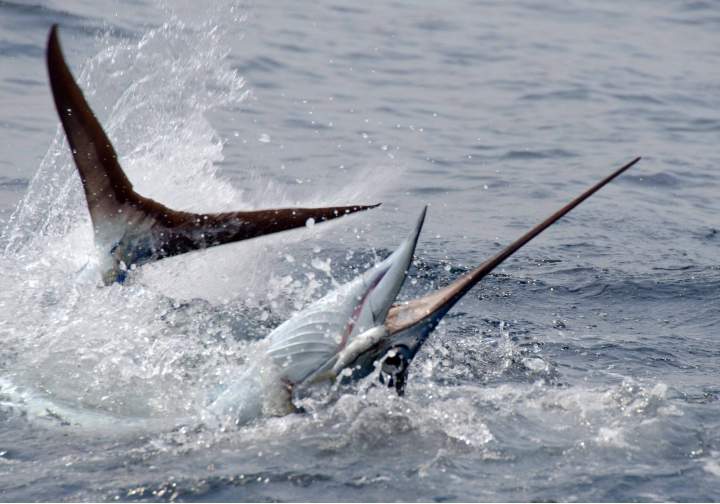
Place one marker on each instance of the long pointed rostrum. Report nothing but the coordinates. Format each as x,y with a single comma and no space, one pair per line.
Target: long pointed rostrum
406,315
131,229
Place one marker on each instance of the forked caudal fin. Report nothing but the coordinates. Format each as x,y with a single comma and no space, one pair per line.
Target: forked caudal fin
419,317
130,229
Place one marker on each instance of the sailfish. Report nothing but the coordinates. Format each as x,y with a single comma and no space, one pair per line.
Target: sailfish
131,230
358,328
354,331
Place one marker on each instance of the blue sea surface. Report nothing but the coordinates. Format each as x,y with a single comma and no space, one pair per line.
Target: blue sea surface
584,369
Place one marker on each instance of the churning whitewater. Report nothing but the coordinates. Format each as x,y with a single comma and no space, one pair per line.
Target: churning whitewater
582,368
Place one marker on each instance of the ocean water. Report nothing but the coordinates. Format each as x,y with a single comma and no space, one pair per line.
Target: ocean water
585,368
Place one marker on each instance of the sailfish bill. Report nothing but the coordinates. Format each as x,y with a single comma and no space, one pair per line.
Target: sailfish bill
409,324
405,315
396,332
130,229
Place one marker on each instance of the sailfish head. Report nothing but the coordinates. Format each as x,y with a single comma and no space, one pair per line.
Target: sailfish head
408,325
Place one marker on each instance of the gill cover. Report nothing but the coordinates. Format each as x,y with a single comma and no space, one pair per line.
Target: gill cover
131,230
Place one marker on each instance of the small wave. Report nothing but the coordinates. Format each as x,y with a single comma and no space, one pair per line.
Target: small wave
245,486
639,98
561,95
539,154
37,10
261,64
434,190
711,234
436,25
697,125
15,49
15,184
39,15
661,179
649,287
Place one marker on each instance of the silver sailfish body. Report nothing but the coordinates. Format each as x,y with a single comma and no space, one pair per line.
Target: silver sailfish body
319,341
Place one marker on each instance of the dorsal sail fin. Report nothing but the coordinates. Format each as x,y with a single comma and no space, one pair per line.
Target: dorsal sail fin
131,229
403,316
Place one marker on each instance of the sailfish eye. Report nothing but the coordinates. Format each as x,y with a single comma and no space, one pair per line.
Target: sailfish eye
394,362
394,368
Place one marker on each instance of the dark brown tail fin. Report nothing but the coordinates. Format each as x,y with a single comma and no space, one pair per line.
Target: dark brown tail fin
131,229
438,303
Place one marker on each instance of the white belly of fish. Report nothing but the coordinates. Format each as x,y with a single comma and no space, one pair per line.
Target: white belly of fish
295,349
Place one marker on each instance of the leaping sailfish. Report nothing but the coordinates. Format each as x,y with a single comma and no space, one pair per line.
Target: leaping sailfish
355,328
130,229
